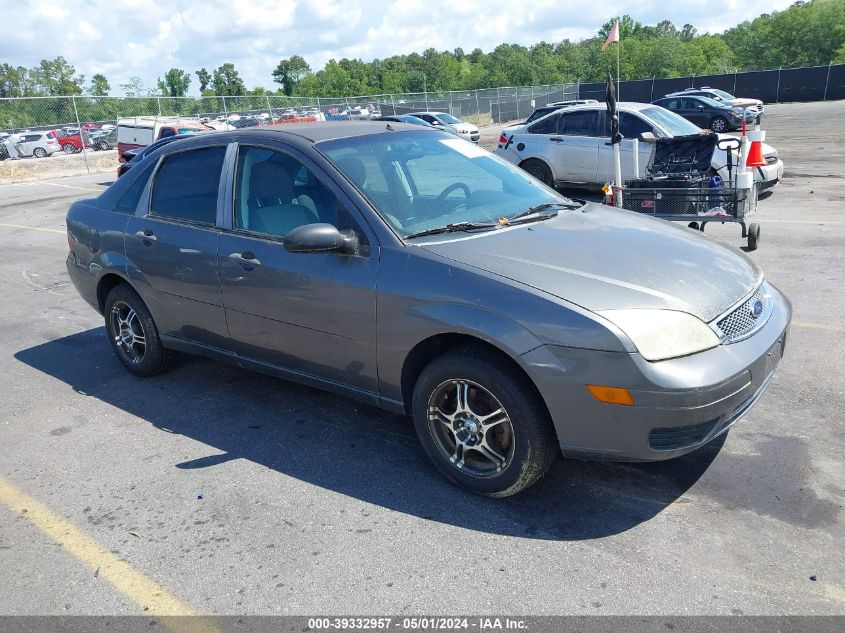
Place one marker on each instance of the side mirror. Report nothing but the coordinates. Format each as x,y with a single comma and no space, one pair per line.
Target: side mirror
648,137
315,238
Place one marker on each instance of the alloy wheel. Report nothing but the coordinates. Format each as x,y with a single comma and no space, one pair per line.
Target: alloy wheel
128,332
471,428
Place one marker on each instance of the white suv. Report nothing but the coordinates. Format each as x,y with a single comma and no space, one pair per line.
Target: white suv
572,146
38,144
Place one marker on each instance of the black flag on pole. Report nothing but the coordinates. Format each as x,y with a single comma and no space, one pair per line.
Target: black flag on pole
612,114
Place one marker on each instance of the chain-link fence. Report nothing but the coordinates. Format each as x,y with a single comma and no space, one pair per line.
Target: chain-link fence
83,124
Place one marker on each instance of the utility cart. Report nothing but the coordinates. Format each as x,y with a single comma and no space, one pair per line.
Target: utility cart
679,186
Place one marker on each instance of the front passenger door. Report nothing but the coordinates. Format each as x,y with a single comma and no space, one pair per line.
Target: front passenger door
310,313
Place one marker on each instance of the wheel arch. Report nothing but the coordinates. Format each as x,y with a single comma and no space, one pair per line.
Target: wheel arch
427,350
106,284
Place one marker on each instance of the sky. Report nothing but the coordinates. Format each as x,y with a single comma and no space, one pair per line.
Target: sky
145,38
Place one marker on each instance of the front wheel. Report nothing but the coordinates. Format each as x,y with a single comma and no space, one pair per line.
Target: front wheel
103,146
133,334
719,124
540,171
482,424
69,148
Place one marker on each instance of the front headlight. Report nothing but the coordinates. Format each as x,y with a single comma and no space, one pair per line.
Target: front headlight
663,334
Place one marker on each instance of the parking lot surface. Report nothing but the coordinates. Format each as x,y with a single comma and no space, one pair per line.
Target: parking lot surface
211,489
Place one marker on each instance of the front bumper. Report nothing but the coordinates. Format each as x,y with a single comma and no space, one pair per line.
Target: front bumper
680,404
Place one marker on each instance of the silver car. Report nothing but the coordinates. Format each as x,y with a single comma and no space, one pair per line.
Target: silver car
414,271
38,144
450,123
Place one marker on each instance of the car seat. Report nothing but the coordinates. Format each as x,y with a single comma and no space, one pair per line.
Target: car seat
271,205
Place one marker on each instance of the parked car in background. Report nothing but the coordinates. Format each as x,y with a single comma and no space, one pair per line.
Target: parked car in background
754,105
465,130
38,144
402,118
103,140
71,140
132,157
142,131
413,272
557,105
707,113
571,147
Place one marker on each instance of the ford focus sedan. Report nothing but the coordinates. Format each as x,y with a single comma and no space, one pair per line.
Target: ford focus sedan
415,271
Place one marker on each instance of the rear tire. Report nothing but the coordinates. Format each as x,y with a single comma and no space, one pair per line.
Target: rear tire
133,334
39,152
540,171
482,423
103,146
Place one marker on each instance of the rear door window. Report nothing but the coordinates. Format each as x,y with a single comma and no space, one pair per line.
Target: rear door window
186,185
581,123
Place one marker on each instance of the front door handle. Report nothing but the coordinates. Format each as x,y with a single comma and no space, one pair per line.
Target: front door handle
246,258
556,139
147,235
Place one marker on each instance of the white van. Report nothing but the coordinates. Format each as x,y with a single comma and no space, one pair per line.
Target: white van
133,132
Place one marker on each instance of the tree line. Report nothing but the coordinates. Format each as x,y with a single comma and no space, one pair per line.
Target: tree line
805,34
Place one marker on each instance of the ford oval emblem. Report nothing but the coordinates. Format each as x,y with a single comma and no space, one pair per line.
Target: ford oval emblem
757,309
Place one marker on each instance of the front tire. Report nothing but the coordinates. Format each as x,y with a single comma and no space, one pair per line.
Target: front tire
69,148
482,423
540,171
133,334
719,124
103,146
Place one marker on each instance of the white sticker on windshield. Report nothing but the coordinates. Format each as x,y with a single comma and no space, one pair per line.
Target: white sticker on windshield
470,150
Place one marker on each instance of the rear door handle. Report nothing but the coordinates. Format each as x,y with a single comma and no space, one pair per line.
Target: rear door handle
147,235
556,139
246,257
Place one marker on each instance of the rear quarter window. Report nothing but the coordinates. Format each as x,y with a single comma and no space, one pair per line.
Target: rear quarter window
128,202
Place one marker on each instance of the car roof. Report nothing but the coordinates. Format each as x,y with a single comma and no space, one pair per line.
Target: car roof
322,130
431,112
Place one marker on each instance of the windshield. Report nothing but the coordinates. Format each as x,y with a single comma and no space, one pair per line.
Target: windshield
448,118
420,180
724,95
674,124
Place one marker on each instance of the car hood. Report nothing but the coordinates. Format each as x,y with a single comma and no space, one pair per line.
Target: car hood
601,258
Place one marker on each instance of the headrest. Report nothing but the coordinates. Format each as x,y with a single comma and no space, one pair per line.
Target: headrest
271,183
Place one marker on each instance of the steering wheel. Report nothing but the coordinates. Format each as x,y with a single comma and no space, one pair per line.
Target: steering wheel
451,188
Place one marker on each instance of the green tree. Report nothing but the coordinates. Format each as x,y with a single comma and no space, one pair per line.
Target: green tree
134,87
99,86
290,72
55,77
13,81
175,83
226,81
204,78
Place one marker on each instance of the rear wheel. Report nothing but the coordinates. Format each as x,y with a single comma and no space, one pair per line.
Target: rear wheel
539,170
69,148
103,146
482,424
719,124
39,152
133,334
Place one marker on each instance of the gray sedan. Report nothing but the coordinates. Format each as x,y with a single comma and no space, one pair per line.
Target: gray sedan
415,271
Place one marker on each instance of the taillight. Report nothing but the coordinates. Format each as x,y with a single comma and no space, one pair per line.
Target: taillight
503,140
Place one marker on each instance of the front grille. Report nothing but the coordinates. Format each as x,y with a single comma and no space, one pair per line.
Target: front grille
669,439
741,322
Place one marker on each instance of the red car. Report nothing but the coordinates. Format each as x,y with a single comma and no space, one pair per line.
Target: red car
70,140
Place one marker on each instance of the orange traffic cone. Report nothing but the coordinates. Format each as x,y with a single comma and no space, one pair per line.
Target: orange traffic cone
755,152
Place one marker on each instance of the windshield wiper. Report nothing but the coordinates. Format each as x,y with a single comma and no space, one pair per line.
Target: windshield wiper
453,228
537,209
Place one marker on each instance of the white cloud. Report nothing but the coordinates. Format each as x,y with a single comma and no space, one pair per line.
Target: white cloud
147,37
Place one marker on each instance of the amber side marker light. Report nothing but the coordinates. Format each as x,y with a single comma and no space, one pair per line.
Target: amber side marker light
611,395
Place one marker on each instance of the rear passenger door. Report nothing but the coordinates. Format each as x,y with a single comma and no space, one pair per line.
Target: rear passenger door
171,246
576,146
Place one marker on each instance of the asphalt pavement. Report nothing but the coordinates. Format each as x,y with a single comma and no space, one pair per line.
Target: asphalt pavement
211,489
